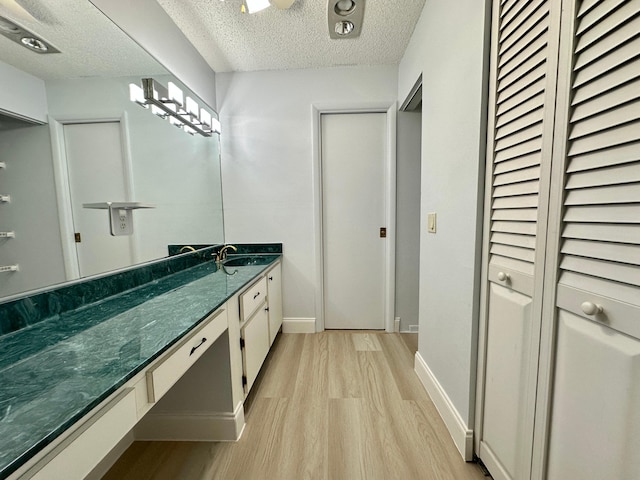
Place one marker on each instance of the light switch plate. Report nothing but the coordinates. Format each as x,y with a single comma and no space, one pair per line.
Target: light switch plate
431,222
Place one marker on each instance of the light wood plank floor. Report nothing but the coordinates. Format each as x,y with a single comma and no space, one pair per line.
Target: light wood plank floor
411,340
331,406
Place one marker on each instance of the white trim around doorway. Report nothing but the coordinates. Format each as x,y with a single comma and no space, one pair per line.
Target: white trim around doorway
61,177
390,109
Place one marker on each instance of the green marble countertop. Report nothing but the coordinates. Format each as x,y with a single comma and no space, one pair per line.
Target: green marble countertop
53,373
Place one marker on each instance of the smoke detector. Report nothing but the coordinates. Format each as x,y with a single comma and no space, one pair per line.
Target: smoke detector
345,18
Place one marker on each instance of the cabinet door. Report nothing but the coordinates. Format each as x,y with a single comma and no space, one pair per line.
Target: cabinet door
274,293
595,425
255,334
523,77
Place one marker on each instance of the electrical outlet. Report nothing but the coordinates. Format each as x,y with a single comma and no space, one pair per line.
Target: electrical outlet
121,221
431,222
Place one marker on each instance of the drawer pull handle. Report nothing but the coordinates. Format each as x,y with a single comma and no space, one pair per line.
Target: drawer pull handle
590,308
256,295
198,345
270,278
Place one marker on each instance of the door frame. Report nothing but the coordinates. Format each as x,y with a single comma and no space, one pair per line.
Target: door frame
388,108
61,178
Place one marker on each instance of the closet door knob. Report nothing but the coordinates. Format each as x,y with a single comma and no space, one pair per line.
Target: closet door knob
503,277
591,308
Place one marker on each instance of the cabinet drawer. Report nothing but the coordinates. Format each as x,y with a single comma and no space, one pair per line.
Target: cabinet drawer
162,376
252,299
77,455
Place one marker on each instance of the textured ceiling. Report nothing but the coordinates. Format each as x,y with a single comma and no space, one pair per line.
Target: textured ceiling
296,38
90,43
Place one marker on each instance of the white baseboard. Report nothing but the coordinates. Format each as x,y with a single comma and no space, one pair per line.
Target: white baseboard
461,434
111,458
299,325
396,325
196,427
414,328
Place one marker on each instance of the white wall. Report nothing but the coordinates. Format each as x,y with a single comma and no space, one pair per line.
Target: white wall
32,213
267,162
447,47
22,95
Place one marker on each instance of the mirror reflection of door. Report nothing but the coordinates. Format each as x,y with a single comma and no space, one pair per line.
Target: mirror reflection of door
97,173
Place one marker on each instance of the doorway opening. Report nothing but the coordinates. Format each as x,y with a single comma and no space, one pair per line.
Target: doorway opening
408,173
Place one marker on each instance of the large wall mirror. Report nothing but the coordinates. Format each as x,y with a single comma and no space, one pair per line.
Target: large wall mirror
93,146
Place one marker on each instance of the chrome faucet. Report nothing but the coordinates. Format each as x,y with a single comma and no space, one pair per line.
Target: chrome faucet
222,253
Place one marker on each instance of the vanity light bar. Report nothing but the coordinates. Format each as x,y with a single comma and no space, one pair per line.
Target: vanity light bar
169,103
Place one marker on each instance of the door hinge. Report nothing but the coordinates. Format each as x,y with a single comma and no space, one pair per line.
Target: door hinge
242,343
77,237
244,380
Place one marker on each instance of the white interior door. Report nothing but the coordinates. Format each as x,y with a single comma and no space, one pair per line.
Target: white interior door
96,174
353,212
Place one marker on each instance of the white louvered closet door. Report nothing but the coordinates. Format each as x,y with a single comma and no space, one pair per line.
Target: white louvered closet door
523,76
595,419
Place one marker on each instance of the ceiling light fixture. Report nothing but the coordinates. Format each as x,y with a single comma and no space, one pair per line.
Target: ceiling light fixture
167,103
21,36
344,27
34,44
8,27
254,6
344,7
345,18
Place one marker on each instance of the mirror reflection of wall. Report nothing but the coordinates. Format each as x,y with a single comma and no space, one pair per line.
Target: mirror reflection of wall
177,173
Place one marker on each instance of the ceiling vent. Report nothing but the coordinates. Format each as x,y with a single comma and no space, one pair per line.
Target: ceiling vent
345,18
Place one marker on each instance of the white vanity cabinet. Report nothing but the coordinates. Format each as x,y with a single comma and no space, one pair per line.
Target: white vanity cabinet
83,447
79,453
274,295
165,373
255,345
260,320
